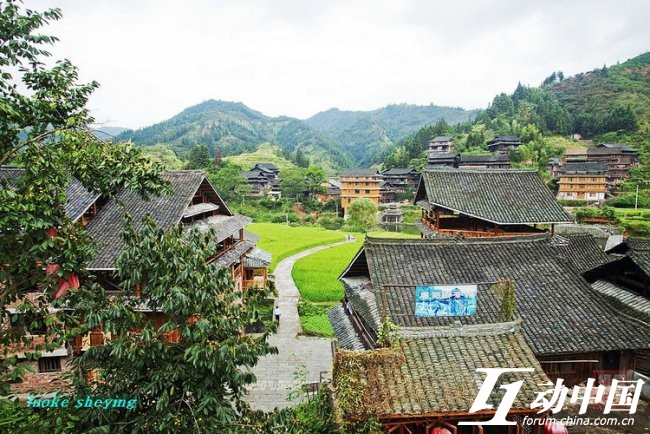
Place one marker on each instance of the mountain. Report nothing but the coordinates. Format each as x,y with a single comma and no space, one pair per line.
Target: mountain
334,139
234,128
367,134
105,133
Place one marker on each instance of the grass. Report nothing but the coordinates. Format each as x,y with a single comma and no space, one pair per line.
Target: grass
316,277
265,153
283,241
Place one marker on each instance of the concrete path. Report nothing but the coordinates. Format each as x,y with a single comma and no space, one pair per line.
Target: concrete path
301,359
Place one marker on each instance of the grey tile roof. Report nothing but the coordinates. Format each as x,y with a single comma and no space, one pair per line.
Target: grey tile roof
504,139
79,199
233,255
360,172
343,330
257,258
441,139
224,225
583,252
363,301
498,196
561,312
484,158
167,210
436,375
636,302
588,168
443,156
399,171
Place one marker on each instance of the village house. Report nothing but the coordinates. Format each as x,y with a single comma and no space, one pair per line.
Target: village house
332,191
443,159
618,158
492,161
563,328
440,145
360,184
583,181
193,203
503,144
263,179
400,179
573,331
486,203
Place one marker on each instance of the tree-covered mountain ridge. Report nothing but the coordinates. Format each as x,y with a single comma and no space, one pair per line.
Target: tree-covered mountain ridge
333,139
605,105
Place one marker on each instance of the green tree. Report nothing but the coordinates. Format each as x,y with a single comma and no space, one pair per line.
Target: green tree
314,177
199,157
43,127
362,214
621,118
300,159
228,181
188,373
293,183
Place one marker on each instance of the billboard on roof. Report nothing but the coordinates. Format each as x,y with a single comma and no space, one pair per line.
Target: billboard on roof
445,300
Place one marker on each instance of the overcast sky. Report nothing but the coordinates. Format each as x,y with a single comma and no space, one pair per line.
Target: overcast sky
299,57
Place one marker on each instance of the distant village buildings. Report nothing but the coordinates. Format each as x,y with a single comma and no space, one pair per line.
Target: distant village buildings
360,184
332,191
441,154
263,179
583,181
502,144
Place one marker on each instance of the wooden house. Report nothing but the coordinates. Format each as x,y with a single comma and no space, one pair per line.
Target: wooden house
332,191
443,159
503,144
618,158
574,331
193,203
360,184
583,181
440,144
492,161
485,203
263,179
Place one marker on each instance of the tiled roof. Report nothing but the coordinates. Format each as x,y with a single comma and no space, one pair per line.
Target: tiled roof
561,313
223,225
629,298
79,199
436,375
167,210
443,156
232,256
343,330
498,196
608,150
492,158
360,172
583,252
635,244
503,139
592,167
399,171
441,139
257,258
641,259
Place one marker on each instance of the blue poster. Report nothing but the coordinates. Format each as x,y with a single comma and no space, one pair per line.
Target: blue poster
445,300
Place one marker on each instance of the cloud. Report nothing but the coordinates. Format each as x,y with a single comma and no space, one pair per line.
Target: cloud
155,58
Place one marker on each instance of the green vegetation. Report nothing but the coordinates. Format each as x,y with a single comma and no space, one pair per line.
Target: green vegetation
283,241
370,135
265,153
164,155
635,222
232,128
362,215
316,277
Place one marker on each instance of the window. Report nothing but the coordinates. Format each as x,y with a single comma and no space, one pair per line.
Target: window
49,364
356,191
367,191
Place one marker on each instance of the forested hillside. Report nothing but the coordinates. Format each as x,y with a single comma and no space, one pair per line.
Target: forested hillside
234,128
606,105
334,139
367,135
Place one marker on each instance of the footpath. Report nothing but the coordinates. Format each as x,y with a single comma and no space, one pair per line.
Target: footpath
301,359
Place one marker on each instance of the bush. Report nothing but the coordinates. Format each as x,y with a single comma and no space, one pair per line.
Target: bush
332,223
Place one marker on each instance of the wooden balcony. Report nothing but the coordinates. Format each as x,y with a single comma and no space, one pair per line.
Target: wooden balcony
474,231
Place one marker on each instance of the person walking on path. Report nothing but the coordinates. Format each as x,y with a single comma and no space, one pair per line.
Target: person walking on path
277,313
